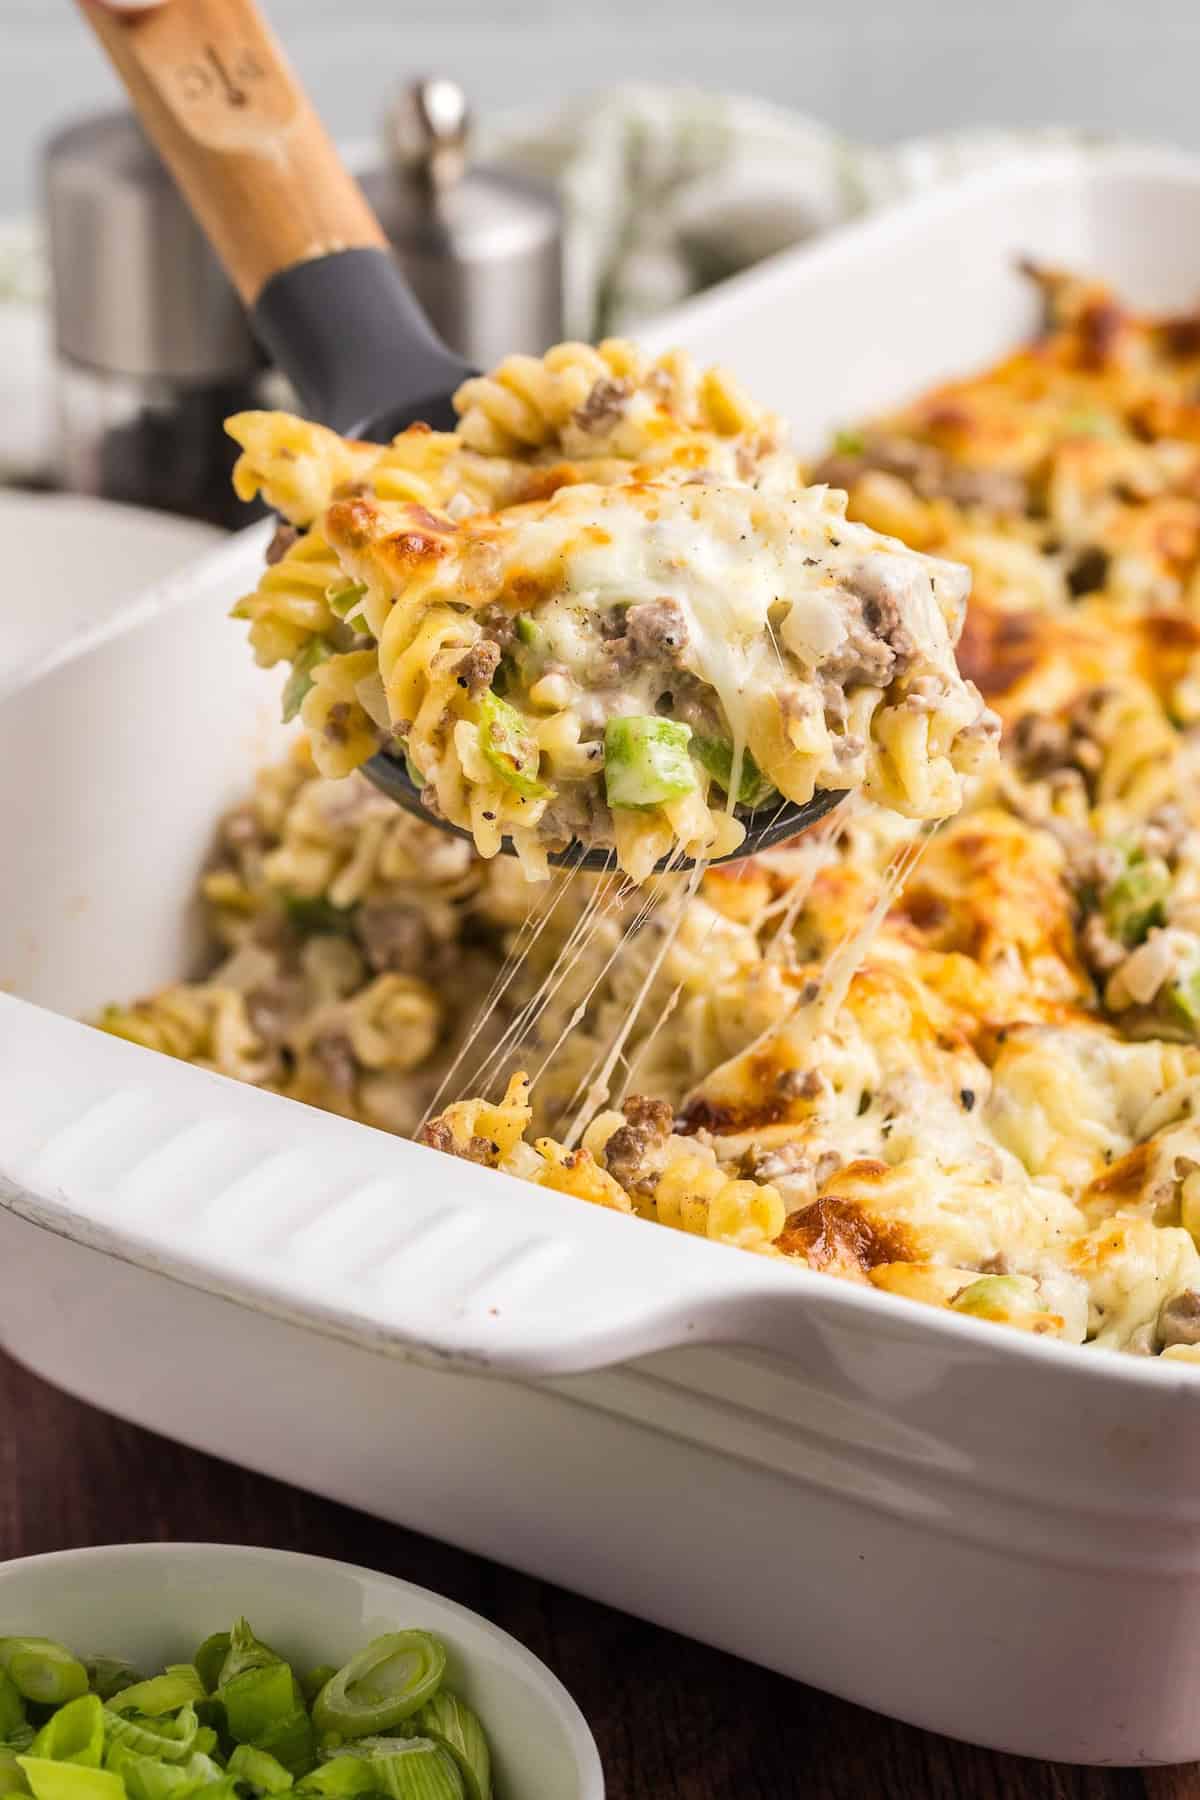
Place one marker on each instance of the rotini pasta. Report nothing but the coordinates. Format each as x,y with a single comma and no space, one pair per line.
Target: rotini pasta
626,658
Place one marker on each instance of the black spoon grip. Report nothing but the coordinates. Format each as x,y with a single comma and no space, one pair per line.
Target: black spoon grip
348,333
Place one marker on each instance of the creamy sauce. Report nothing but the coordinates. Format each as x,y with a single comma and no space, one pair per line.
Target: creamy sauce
784,608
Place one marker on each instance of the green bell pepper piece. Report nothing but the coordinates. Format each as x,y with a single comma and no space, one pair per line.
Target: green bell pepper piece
646,761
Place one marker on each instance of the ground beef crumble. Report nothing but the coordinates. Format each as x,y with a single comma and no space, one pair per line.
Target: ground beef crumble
477,667
631,1153
604,405
438,1136
395,937
281,543
334,1054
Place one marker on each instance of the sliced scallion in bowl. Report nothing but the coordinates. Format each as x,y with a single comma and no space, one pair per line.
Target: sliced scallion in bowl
238,1723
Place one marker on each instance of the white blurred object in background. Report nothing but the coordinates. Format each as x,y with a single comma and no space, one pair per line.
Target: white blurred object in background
26,389
74,561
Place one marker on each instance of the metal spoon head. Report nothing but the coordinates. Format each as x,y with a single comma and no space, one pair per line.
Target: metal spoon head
764,828
435,410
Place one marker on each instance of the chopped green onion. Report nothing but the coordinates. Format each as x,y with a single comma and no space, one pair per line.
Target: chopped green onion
449,1721
171,1739
180,1686
1090,424
146,1778
70,1781
12,1780
849,443
245,1652
214,1733
12,1707
1136,900
315,915
509,746
199,1771
646,761
292,1742
993,1294
200,1768
342,596
312,1683
220,1786
109,1675
1183,997
74,1733
257,1699
210,1657
371,1747
301,678
42,1670
417,1769
530,632
157,1739
343,1776
259,1770
224,1787
715,756
187,1672
384,1684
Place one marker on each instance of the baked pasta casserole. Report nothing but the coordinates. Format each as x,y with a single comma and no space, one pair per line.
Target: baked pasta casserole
605,612
960,1062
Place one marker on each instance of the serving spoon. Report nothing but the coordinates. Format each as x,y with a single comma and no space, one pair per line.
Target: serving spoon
325,295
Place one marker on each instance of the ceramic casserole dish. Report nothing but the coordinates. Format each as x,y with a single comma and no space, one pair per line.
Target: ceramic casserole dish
984,1533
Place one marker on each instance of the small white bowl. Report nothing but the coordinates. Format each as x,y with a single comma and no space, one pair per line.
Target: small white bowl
153,1603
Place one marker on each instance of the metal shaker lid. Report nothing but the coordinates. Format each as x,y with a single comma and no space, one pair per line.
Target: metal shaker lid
137,291
428,131
481,245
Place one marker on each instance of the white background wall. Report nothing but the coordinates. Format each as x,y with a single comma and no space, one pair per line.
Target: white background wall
879,69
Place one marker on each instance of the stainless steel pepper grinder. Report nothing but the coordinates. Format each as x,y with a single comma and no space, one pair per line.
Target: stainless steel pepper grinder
153,349
482,246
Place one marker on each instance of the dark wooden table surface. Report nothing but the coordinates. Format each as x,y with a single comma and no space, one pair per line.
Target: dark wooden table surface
674,1721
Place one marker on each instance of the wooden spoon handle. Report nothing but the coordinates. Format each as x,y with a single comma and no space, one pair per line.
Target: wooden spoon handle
217,96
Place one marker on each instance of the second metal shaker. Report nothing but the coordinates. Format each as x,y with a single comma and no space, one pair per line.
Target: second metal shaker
481,246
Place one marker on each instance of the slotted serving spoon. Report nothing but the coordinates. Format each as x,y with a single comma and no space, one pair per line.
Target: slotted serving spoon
325,295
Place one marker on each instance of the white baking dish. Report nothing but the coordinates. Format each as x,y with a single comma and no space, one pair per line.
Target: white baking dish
983,1533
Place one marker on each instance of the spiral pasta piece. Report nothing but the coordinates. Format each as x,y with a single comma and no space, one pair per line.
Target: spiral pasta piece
295,465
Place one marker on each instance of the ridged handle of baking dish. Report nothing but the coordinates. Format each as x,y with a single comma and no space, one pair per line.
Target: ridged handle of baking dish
317,1218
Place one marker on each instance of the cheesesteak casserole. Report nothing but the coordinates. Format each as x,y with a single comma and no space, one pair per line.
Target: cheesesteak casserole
957,1062
615,623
